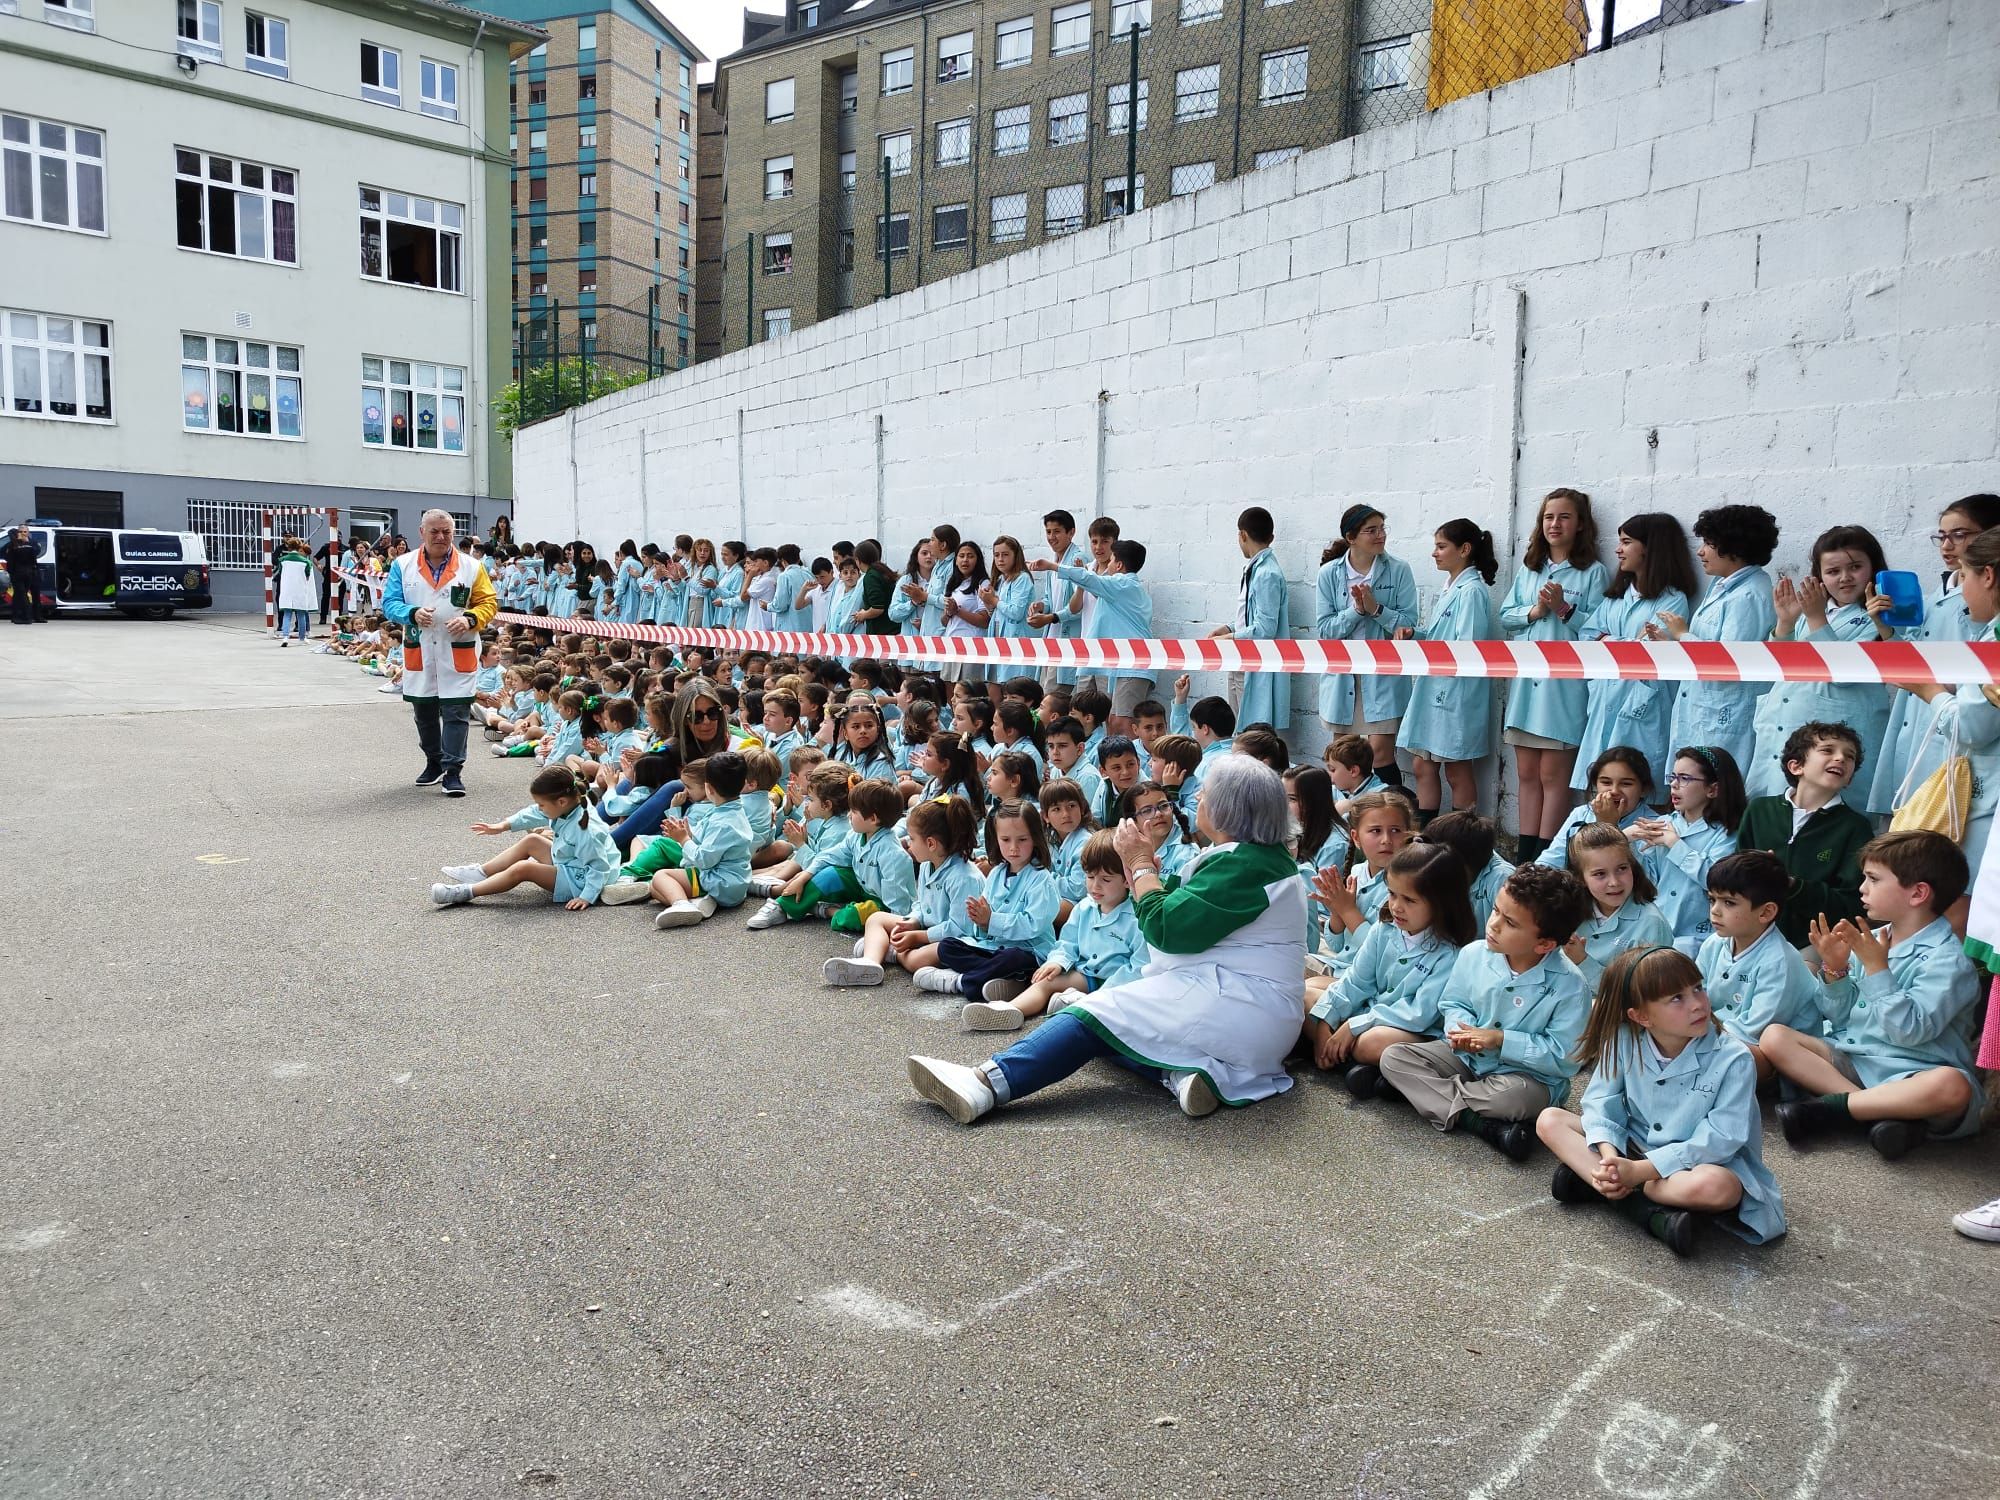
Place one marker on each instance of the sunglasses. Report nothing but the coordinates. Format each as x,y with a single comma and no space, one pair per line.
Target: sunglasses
703,715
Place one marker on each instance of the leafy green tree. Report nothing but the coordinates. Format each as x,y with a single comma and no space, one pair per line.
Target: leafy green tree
549,388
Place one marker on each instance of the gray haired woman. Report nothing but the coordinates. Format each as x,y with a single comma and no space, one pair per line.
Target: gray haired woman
1218,1005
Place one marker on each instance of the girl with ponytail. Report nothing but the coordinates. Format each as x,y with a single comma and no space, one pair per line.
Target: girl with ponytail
1364,594
565,851
1450,719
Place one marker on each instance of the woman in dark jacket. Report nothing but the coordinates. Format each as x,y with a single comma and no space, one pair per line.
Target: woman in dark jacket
24,573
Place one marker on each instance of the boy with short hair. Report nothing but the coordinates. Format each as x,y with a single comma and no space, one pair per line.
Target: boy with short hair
1092,709
868,869
1812,831
1118,759
761,774
1350,764
780,729
1064,738
1513,1011
1121,609
1176,759
1753,976
1896,1055
1210,723
703,861
1149,722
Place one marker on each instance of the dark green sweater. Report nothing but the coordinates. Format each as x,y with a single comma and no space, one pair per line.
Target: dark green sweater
1824,861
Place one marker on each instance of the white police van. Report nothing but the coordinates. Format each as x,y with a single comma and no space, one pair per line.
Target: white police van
136,572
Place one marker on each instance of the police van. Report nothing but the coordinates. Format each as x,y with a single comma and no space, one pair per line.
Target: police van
138,572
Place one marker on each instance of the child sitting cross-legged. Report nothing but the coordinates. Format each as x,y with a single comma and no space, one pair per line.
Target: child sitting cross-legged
761,775
868,868
700,862
1622,913
1753,976
941,834
567,851
1513,1009
1669,1128
1100,946
1013,917
1897,1052
1382,824
821,787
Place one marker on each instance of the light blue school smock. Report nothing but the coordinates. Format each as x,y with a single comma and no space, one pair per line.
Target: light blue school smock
1106,947
1264,613
1542,705
1395,980
1023,911
718,849
1736,608
630,573
878,766
726,606
782,746
1967,713
880,864
1914,1016
1540,1013
1330,855
1451,718
1053,599
1767,984
701,594
757,816
1557,853
942,891
1628,711
841,604
935,593
1087,778
791,609
1945,619
1485,886
1124,611
564,741
1861,706
1009,615
1680,874
1371,890
1636,924
581,848
1383,699
1696,1109
907,614
1066,863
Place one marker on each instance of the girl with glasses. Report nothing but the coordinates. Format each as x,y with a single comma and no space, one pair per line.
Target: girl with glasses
1705,795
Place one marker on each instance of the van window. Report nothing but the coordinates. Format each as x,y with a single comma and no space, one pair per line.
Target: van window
139,546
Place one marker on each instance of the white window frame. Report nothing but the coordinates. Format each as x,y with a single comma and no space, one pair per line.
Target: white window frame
1117,185
1124,13
1194,12
1277,83
450,257
586,184
27,336
1076,209
780,100
898,147
1007,218
1073,110
777,322
28,157
1198,92
1006,132
586,35
437,88
385,385
848,167
965,225
954,57
783,170
379,92
808,15
1014,42
683,169
774,263
238,370
1116,112
272,62
1201,174
586,137
274,202
538,138
899,71
78,15
952,144
1274,156
885,227
1385,64
1064,34
206,18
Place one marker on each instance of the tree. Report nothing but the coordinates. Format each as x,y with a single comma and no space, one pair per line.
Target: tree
550,388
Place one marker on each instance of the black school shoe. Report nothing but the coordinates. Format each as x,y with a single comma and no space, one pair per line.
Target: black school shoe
1802,1119
1567,1187
431,774
1672,1227
1511,1138
1363,1080
1895,1139
453,787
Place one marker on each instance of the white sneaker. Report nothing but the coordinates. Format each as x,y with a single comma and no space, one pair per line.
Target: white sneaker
860,946
705,905
770,914
1059,1002
1196,1095
465,874
765,885
680,914
850,973
625,892
825,910
937,981
455,894
498,752
992,1015
959,1091
390,687
1982,1223
1001,990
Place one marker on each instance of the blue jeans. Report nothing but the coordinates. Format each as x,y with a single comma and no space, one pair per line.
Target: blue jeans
289,618
645,818
1054,1050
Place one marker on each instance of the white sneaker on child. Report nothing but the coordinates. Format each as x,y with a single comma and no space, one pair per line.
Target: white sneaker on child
765,885
1196,1095
1001,990
705,905
390,687
961,1092
465,874
770,914
625,892
994,1015
498,752
1982,1223
850,973
456,894
680,914
936,981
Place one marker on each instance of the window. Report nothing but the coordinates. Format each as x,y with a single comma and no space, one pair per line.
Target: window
538,283
777,322
847,171
682,339
538,235
231,207
1069,119
850,93
413,241
1014,42
586,86
808,15
382,75
1009,218
1125,14
241,387
1385,64
1115,202
74,13
954,57
1194,12
1010,130
538,190
681,254
1192,177
1117,110
680,302
586,279
586,36
684,75
899,70
897,149
1062,209
1196,92
408,404
947,226
53,174
954,142
683,169
586,184
778,100
684,122
1284,77
438,89
267,45
1069,29
538,93
1272,158
777,255
899,235
201,29
538,140
586,137
844,254
55,367
681,213
777,177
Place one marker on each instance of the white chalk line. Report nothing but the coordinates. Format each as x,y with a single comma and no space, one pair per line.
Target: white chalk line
1829,1436
890,1316
1558,1413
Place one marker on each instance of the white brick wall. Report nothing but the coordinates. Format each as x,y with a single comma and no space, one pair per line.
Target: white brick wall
1761,260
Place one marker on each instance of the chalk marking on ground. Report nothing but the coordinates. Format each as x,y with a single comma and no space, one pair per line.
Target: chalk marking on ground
1020,1218
291,1070
885,1313
1026,1289
1829,1436
1559,1411
1643,1454
402,1078
38,1238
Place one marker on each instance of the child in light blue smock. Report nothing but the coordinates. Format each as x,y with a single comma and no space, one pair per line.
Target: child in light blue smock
860,743
1381,825
1677,850
1068,818
568,850
1736,542
1263,613
713,867
1669,1132
1622,912
726,604
1014,916
1009,593
869,867
1754,977
566,740
1363,594
941,836
1621,783
1066,759
1449,723
1654,583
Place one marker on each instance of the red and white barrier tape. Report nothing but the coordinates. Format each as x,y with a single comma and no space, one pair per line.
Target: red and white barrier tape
1948,662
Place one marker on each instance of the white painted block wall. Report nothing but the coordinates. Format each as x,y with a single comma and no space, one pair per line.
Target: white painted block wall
1755,257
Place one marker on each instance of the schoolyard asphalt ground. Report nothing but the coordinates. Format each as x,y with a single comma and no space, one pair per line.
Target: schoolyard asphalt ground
310,1189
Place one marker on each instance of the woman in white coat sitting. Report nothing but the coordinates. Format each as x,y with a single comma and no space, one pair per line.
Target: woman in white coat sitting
1219,1004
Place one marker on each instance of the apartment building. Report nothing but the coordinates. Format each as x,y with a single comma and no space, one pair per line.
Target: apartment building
254,258
601,131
